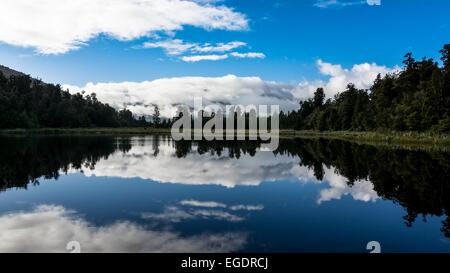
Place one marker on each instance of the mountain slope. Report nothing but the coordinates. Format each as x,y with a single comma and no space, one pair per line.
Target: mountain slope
26,102
8,72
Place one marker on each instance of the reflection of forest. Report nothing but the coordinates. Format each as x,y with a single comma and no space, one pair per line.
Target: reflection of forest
416,180
24,160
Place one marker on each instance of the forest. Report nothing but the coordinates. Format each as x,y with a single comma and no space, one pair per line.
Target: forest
415,99
26,102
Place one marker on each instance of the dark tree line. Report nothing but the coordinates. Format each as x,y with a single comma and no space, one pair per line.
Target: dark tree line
24,160
414,99
29,103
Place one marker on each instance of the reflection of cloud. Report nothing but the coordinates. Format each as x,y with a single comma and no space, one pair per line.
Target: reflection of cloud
194,168
208,210
207,169
362,190
212,204
49,228
208,204
170,214
247,207
175,215
203,210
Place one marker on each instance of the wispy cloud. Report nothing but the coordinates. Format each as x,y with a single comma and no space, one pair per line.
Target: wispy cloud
345,3
251,55
178,47
198,58
196,52
220,47
214,57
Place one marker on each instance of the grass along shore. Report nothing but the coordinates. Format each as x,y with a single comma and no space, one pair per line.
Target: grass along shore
379,138
408,140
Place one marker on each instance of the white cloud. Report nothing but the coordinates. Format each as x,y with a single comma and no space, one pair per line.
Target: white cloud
56,26
140,97
49,228
251,55
195,52
220,47
177,47
361,75
172,47
198,58
168,93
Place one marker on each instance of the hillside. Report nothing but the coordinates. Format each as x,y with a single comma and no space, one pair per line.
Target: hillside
8,72
26,102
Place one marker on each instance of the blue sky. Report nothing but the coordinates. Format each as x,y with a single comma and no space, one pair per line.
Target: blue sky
289,36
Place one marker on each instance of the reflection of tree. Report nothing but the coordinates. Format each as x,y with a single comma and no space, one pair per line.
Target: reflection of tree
155,146
416,180
124,144
235,148
24,160
182,148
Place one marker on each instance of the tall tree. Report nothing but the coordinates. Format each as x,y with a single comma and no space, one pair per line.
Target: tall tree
156,116
319,98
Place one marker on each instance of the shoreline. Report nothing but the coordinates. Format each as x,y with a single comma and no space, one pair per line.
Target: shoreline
377,138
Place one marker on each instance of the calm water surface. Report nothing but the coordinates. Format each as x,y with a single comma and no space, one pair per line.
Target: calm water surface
151,194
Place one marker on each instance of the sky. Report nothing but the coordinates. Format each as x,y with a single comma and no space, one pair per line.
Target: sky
139,53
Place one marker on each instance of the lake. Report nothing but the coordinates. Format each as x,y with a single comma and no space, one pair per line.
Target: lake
152,194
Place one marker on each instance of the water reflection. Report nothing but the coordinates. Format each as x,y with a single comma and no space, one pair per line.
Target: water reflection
49,228
416,180
194,209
